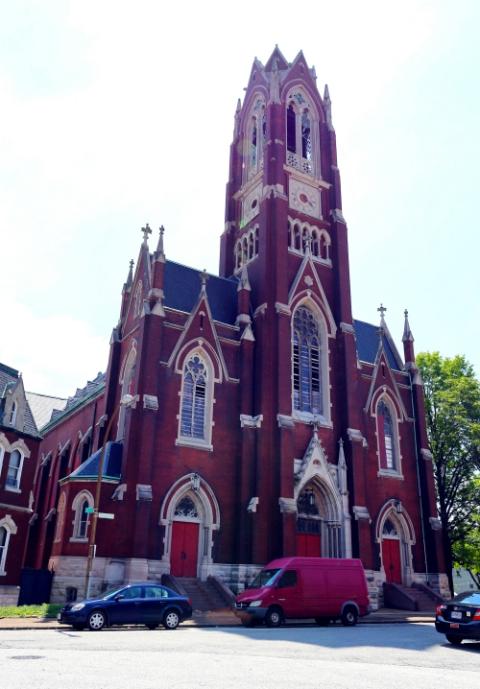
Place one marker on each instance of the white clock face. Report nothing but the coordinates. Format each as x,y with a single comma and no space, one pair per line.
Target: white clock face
304,199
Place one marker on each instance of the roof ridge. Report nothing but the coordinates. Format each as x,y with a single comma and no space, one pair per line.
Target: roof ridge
197,270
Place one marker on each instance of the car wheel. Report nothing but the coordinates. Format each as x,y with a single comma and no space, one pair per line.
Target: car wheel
322,621
349,616
96,620
273,618
171,619
152,625
455,640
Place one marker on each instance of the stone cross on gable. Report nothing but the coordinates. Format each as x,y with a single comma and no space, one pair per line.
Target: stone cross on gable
381,309
146,231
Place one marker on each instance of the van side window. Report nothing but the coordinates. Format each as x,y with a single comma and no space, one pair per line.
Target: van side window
288,578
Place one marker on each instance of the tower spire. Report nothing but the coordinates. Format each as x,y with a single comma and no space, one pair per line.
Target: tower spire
407,339
129,281
159,253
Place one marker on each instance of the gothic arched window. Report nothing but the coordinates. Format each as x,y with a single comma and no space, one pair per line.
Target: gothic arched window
81,502
302,137
306,136
14,472
255,135
4,539
291,129
193,415
386,437
307,375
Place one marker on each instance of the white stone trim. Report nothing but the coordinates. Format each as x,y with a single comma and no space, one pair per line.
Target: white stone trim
247,421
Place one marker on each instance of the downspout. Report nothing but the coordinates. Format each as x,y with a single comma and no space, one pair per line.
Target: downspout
419,483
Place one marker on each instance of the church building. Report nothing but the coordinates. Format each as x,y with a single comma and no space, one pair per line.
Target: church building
246,416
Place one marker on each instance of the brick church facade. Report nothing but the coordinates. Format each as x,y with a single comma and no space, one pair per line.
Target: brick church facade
263,419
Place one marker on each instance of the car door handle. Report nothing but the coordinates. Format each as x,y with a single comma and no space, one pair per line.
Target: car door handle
282,599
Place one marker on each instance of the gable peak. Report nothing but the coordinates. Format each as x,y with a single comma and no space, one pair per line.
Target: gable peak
276,61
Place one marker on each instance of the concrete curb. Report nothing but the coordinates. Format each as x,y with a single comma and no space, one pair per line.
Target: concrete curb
224,619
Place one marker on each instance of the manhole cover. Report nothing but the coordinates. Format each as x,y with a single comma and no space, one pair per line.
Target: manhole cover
26,657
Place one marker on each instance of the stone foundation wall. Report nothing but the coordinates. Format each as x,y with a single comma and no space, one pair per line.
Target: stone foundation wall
9,594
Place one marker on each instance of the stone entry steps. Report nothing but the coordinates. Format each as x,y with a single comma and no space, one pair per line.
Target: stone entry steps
203,594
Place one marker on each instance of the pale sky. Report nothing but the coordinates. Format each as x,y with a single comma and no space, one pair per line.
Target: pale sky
114,114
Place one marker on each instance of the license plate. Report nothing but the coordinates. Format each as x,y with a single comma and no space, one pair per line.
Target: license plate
454,625
456,615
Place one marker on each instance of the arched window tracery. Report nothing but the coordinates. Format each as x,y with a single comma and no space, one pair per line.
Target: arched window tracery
195,399
387,438
246,248
307,374
302,138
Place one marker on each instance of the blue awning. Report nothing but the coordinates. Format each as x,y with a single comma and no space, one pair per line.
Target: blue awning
112,463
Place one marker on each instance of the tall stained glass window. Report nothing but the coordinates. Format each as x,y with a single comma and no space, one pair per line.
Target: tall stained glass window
386,437
194,398
307,383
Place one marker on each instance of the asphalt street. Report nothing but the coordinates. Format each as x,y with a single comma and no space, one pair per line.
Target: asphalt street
365,657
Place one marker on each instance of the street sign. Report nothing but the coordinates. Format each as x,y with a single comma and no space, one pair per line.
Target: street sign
106,515
89,510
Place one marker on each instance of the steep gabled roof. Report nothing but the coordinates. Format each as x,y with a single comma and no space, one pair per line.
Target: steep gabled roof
367,345
182,287
9,378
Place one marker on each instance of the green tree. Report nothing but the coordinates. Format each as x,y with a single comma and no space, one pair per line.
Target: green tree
452,401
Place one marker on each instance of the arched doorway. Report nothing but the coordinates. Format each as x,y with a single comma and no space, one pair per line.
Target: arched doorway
396,536
319,530
185,538
391,553
190,515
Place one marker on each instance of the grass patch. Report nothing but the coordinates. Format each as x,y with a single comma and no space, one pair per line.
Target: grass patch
44,610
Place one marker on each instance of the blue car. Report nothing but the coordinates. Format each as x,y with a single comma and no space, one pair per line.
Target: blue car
143,603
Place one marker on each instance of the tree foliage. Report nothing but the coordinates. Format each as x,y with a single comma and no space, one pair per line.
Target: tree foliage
452,400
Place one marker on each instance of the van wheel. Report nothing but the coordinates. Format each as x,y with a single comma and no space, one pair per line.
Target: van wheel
349,616
273,618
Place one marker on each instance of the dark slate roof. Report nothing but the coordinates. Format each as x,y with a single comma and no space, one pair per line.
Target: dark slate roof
9,378
112,463
81,395
182,289
367,344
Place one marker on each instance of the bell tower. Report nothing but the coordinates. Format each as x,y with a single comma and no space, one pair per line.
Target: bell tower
283,191
284,228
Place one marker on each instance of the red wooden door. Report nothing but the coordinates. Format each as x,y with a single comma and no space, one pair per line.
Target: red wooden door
391,560
184,550
308,545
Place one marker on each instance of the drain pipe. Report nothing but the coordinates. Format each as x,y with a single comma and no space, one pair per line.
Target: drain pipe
419,483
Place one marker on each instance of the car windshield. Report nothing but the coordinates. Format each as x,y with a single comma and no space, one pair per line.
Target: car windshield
264,578
111,593
468,597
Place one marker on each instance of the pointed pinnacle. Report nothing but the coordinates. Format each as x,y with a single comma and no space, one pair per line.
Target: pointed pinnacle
130,274
244,282
160,254
407,333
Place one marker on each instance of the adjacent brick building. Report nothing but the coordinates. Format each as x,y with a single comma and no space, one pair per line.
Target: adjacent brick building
267,421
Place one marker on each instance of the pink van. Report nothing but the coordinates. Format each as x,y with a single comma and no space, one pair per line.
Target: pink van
305,587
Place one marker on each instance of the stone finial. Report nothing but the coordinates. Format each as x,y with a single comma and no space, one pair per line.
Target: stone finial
203,279
129,281
381,309
244,282
328,105
146,231
236,128
159,253
407,333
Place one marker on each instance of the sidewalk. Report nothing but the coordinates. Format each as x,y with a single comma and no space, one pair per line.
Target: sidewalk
226,618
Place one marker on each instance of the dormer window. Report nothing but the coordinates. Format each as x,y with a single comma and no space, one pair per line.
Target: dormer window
13,414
